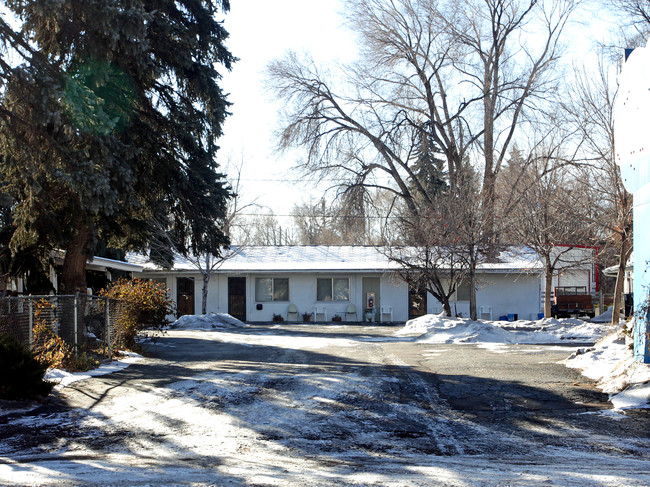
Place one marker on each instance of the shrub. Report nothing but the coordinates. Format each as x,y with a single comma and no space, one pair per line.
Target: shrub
145,305
21,373
49,348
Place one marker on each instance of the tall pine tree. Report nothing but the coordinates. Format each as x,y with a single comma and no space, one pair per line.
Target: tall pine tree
109,116
429,164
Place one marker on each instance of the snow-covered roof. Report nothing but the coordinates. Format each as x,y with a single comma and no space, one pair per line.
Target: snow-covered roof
102,263
522,259
291,258
331,258
613,270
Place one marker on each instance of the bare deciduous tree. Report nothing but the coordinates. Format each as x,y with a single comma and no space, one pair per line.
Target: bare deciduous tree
591,109
551,212
344,221
265,229
463,73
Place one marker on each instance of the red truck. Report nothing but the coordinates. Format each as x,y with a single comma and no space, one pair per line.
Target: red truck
572,300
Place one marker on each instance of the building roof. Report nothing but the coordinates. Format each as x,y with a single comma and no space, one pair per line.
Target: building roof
101,263
330,258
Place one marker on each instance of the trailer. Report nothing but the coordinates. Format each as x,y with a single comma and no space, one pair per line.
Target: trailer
572,301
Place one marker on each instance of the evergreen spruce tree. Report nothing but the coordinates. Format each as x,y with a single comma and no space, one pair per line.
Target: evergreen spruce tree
429,165
109,115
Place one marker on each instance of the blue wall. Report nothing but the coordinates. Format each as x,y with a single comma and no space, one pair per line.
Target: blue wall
642,272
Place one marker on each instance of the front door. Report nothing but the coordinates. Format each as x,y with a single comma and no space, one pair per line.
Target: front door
184,296
417,302
370,285
237,297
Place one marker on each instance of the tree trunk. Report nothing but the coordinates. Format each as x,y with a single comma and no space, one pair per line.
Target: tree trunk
473,315
626,249
488,202
548,287
204,292
446,306
73,275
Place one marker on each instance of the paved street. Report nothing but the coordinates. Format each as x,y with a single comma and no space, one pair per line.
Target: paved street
330,405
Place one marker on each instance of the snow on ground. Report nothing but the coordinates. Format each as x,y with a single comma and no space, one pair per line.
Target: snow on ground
610,361
215,402
441,329
63,378
210,321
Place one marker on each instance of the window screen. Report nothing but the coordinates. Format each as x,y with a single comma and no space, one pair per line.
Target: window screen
462,292
280,289
263,289
323,289
271,289
336,289
341,289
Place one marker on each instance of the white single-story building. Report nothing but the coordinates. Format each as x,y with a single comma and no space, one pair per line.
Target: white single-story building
321,282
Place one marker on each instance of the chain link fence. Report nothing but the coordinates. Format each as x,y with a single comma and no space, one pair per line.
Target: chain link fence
86,323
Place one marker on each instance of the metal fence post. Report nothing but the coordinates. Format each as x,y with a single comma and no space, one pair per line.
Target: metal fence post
31,323
107,333
76,321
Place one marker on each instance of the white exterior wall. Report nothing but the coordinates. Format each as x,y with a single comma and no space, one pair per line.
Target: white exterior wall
302,293
504,293
499,295
577,269
510,294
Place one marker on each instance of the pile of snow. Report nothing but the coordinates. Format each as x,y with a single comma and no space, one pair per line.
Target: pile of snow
606,317
611,362
206,322
442,329
573,329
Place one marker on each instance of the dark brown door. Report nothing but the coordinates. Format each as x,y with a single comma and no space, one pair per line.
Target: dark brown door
237,297
417,302
185,296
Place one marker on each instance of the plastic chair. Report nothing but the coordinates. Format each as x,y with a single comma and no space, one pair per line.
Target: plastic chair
320,313
351,313
292,313
387,311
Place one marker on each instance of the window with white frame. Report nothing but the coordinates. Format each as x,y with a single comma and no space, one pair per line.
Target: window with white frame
271,289
333,289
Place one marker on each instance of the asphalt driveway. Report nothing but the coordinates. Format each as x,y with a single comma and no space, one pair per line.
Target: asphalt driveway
329,405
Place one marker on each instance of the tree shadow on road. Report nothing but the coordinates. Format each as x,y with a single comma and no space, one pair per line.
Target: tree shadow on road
336,411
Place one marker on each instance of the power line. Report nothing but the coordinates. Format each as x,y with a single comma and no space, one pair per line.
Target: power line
271,215
306,180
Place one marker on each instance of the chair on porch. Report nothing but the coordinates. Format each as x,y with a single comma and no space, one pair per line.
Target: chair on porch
386,312
320,313
351,313
292,313
486,313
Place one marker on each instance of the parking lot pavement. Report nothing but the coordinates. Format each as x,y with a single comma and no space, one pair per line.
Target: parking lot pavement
329,405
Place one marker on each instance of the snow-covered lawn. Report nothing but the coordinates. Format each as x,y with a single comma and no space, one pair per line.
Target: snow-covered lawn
282,423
